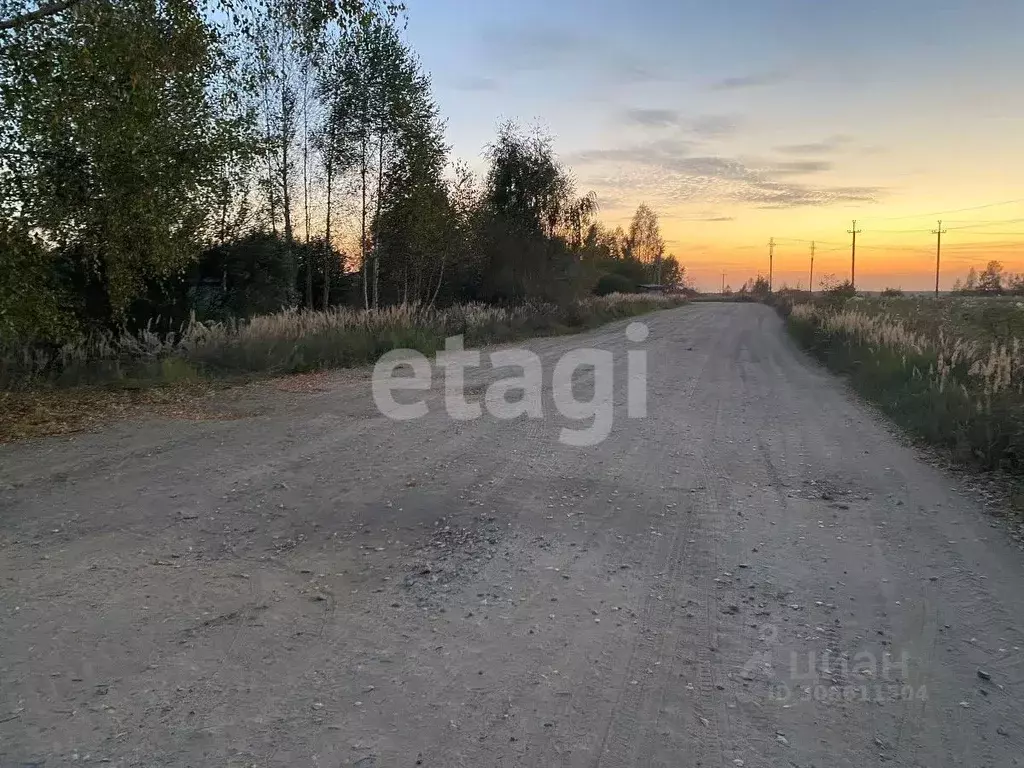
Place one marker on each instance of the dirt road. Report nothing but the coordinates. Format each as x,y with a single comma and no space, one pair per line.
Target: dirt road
756,574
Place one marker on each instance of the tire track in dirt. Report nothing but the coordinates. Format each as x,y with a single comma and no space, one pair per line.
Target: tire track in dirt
632,736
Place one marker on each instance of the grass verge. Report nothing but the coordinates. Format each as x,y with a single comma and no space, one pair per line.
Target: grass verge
58,390
961,393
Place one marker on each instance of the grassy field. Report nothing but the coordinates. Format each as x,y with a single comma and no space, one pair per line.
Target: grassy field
950,369
981,319
46,390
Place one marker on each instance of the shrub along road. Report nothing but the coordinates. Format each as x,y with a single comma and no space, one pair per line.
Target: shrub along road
757,574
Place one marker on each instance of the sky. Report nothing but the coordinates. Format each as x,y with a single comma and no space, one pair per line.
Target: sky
738,121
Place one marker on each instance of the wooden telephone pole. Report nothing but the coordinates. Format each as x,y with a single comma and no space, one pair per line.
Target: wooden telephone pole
771,264
810,282
853,254
938,253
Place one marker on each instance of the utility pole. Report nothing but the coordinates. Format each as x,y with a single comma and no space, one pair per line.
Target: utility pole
853,255
723,283
771,264
810,282
938,253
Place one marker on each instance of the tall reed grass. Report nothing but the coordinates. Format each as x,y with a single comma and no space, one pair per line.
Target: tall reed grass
966,394
292,341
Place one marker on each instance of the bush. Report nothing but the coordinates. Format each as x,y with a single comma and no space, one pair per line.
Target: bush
840,291
253,276
613,283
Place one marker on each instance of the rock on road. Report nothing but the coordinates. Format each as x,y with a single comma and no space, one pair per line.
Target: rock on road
758,573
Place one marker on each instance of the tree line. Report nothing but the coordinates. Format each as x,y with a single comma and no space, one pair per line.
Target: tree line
234,157
992,280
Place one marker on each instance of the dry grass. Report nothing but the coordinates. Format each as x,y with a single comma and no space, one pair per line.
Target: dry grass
43,413
933,368
288,342
989,369
57,390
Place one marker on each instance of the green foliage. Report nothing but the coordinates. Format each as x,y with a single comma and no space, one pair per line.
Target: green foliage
890,293
673,273
525,186
163,159
121,141
414,222
615,283
991,279
30,302
755,288
255,275
948,368
838,292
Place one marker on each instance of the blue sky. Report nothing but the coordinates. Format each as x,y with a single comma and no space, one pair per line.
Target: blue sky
744,119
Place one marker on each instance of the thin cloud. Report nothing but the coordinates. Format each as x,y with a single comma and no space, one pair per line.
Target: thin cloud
702,126
653,118
539,48
800,167
775,195
666,171
531,48
714,126
663,151
476,84
748,81
826,146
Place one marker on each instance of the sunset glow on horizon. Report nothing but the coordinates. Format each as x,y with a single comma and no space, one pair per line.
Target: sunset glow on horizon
755,119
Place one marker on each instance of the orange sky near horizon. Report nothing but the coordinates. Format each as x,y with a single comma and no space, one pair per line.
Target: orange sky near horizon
744,120
977,192
897,251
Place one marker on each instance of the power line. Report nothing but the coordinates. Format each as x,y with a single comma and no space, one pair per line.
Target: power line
798,240
898,231
940,213
968,224
976,225
1002,234
988,224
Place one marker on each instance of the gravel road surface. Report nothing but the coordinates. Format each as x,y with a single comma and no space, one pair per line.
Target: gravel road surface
759,573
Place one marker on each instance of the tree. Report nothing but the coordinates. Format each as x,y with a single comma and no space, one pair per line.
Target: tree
756,287
120,137
373,79
991,279
44,11
526,185
645,243
414,223
527,199
673,274
579,217
336,143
